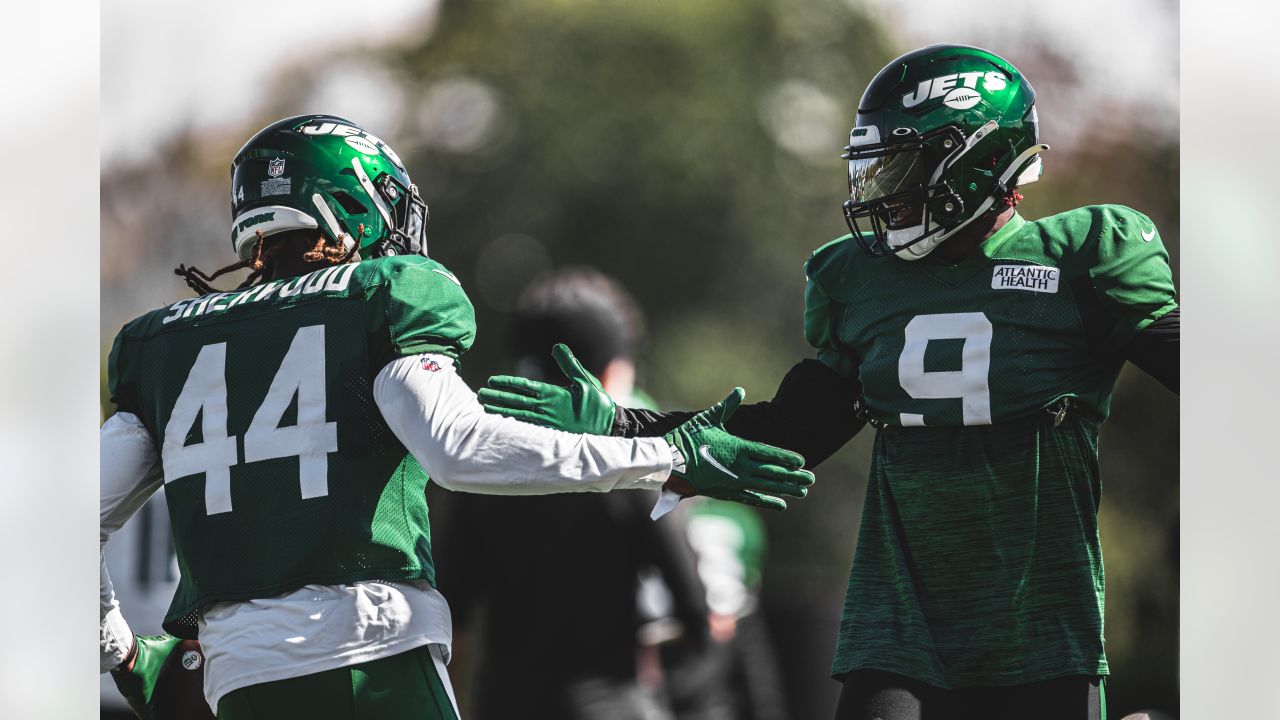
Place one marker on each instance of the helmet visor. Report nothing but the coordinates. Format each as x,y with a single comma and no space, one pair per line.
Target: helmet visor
875,177
883,183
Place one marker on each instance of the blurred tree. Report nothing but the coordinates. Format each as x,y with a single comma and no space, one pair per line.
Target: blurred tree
690,149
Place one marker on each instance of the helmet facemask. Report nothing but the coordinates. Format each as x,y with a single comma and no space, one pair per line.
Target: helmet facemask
409,229
899,186
402,210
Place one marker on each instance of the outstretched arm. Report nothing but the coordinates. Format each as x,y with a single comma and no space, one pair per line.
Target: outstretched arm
441,422
814,412
433,412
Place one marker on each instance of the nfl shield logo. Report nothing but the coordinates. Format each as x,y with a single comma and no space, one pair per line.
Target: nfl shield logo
275,168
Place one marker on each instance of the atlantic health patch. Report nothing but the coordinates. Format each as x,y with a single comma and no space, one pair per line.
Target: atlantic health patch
1033,278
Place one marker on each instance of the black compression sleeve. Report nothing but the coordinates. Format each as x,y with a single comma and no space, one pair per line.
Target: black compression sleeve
1155,350
814,413
635,422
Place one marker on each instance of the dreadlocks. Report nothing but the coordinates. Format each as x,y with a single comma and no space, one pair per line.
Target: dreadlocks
1010,199
332,254
264,255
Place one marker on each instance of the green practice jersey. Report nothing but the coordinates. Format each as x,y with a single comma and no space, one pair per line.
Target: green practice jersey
279,470
978,559
716,526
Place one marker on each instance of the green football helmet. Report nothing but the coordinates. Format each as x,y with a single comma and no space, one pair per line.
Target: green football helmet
325,173
942,133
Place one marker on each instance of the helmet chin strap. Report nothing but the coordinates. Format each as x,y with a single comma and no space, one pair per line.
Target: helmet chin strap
1028,174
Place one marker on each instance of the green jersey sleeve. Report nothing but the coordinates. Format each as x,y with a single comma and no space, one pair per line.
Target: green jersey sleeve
1129,269
418,307
822,313
122,381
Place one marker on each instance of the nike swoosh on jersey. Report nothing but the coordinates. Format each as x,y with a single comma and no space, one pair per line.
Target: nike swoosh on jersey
703,451
1146,236
448,275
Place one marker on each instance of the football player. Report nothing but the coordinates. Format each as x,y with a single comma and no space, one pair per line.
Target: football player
294,422
983,347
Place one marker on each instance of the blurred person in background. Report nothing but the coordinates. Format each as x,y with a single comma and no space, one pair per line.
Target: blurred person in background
572,564
738,675
984,348
293,422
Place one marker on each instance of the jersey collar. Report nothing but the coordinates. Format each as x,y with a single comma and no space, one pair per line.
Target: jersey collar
977,260
1008,230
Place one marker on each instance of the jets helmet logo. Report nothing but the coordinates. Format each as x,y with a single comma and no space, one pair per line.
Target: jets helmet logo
361,140
957,90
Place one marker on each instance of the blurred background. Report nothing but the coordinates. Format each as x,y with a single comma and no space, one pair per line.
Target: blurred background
689,149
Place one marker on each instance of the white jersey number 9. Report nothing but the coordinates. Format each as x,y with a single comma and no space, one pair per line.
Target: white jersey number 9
968,384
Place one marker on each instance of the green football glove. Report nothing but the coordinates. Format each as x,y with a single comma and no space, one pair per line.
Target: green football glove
721,465
583,407
136,676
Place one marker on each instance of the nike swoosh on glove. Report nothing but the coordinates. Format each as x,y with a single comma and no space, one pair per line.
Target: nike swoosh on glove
711,461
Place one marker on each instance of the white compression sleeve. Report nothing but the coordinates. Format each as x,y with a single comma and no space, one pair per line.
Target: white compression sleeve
438,418
129,468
